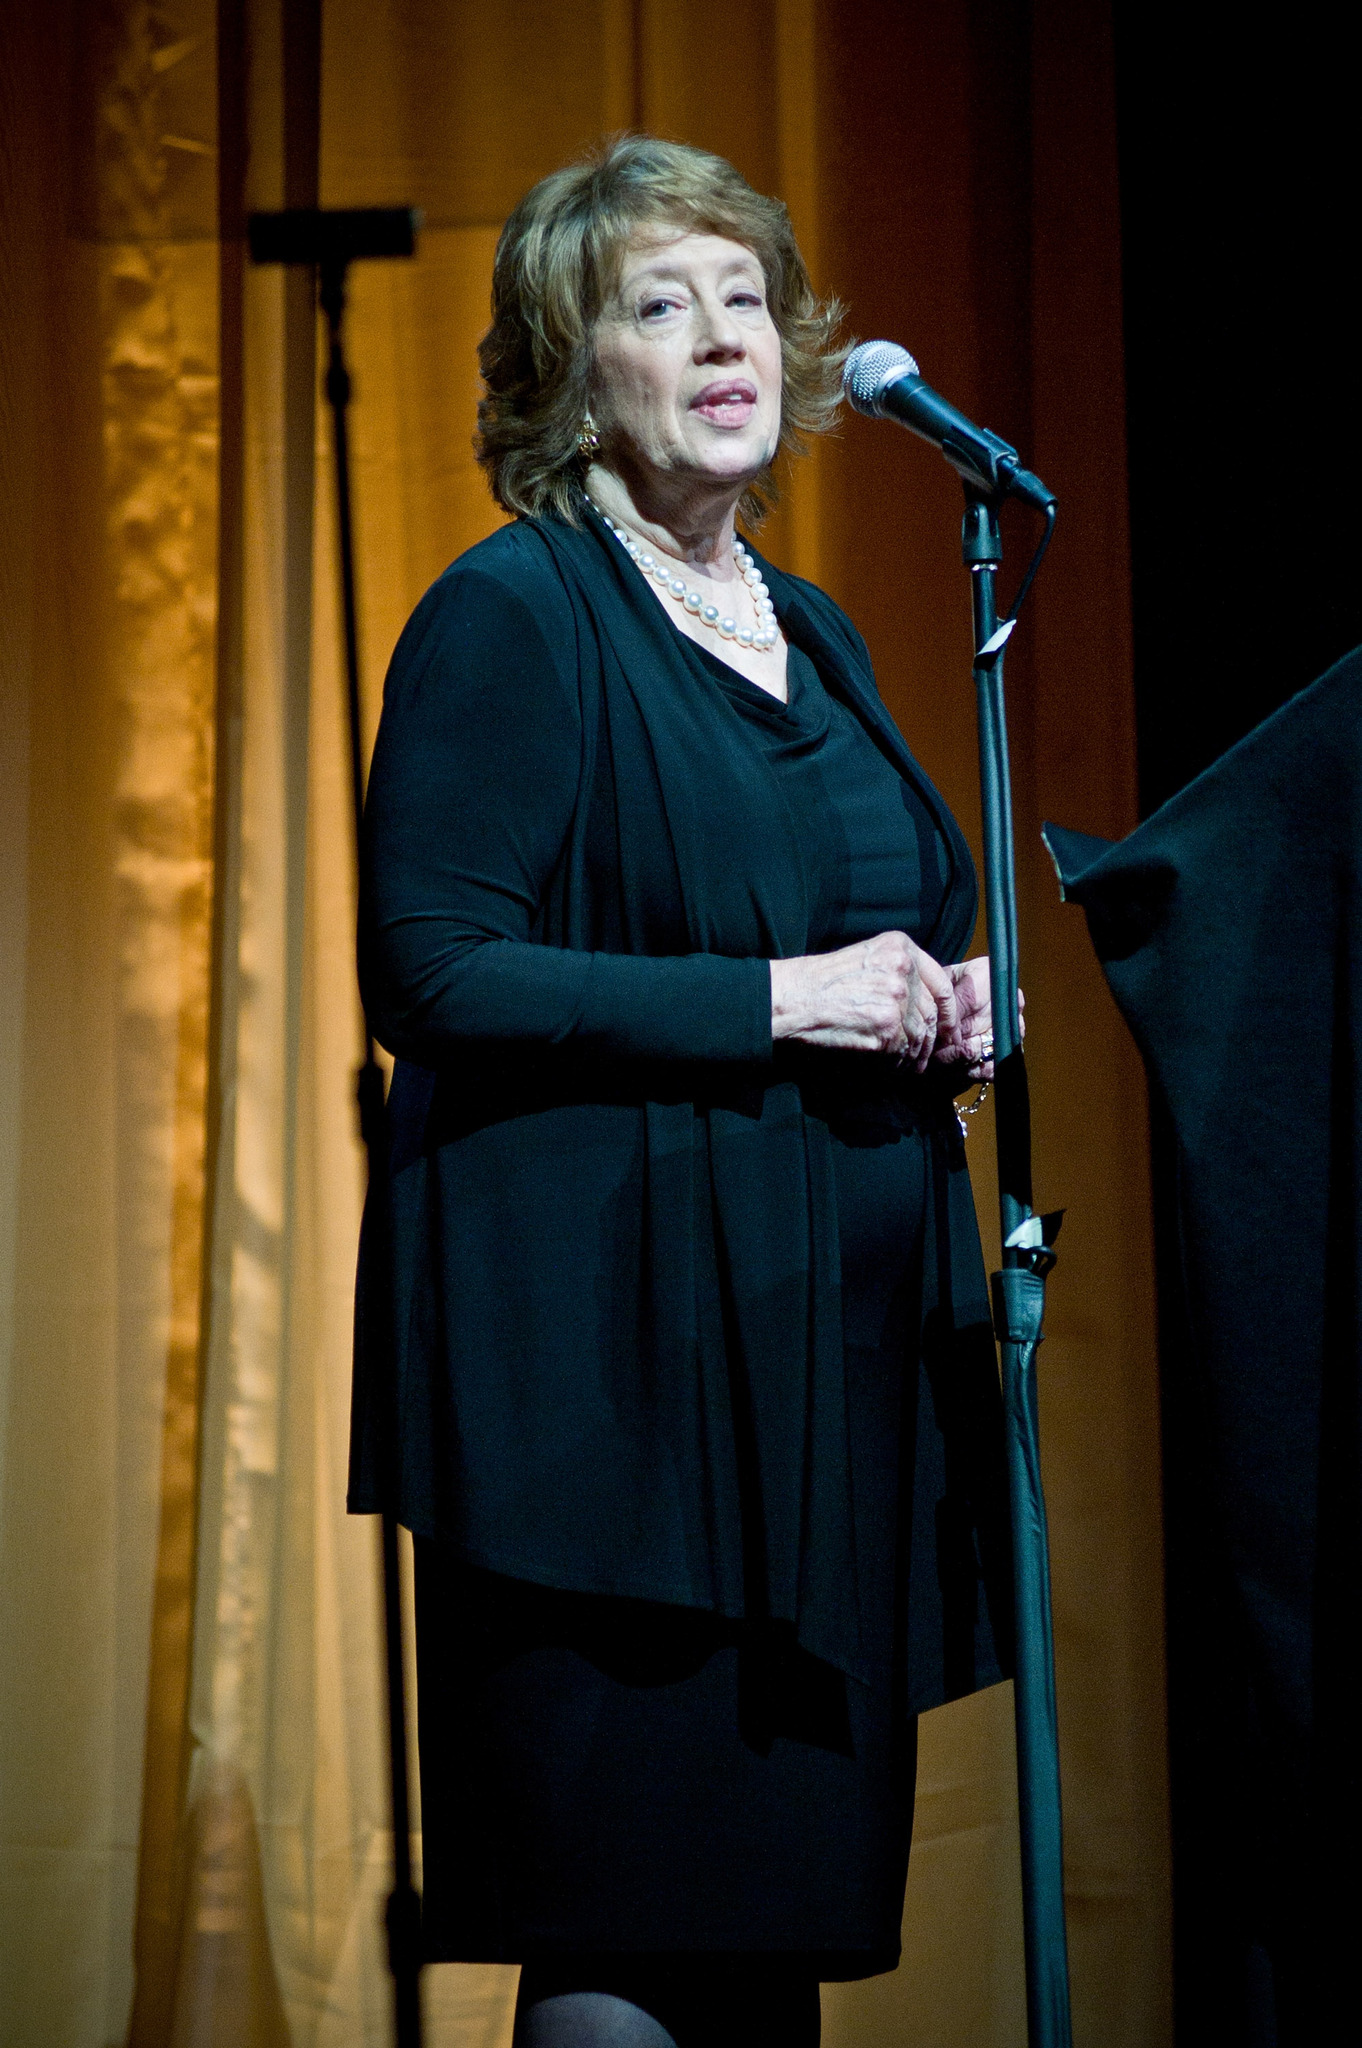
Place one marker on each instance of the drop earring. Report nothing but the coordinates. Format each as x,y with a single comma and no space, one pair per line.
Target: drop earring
588,437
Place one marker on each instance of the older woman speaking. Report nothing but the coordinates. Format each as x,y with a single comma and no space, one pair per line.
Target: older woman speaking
697,1420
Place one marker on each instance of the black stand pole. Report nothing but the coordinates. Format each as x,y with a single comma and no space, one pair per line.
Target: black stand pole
330,240
1018,1309
404,1907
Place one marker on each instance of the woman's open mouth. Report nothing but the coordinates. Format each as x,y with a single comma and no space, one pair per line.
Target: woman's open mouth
731,403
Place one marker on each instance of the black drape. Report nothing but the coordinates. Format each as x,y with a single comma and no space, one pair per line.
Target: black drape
1229,926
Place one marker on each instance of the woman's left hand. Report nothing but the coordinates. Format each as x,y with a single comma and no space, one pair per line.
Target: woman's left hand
972,1040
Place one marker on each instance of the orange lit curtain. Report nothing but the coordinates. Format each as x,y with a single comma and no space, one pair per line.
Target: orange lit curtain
192,1836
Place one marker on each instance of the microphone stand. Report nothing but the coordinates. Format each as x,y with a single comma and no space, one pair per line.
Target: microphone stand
1019,1308
330,241
404,1907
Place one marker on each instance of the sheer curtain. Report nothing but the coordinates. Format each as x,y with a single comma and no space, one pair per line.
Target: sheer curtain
110,505
192,1817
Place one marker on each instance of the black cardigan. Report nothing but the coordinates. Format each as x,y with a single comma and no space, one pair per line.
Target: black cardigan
610,1205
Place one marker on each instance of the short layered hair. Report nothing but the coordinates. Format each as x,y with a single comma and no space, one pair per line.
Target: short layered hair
557,263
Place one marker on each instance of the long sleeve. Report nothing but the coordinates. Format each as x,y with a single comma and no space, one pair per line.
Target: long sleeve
475,781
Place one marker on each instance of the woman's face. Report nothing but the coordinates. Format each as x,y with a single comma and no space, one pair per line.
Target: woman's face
687,363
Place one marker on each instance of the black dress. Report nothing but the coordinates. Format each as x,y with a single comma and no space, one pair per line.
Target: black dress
608,1774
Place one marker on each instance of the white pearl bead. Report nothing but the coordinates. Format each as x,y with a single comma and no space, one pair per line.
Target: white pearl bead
762,635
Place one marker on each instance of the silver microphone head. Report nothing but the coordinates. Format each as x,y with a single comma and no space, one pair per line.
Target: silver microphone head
869,368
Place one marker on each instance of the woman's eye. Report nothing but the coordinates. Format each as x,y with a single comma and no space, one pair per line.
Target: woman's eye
746,299
655,306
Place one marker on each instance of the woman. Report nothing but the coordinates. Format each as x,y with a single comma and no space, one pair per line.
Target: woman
696,1404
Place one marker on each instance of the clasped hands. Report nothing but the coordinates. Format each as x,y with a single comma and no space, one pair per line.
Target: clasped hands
886,995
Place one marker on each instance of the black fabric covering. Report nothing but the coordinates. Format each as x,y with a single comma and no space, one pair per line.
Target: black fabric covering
617,1349
1229,926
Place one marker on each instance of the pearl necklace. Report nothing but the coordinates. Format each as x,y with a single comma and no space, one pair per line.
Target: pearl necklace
762,636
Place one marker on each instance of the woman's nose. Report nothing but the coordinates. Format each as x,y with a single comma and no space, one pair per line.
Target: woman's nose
719,337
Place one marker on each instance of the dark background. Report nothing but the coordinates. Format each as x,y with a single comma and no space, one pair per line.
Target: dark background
1239,228
1238,164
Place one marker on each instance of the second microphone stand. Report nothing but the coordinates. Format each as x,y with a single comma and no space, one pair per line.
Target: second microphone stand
404,1906
328,241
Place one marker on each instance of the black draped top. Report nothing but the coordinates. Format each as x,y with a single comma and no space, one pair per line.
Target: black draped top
877,851
613,1214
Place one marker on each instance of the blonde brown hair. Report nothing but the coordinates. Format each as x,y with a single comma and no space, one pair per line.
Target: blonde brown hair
557,262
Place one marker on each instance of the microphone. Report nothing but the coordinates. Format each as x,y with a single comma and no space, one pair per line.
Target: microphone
882,379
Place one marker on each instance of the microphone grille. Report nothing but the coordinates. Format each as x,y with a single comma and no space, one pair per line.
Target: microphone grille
867,370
